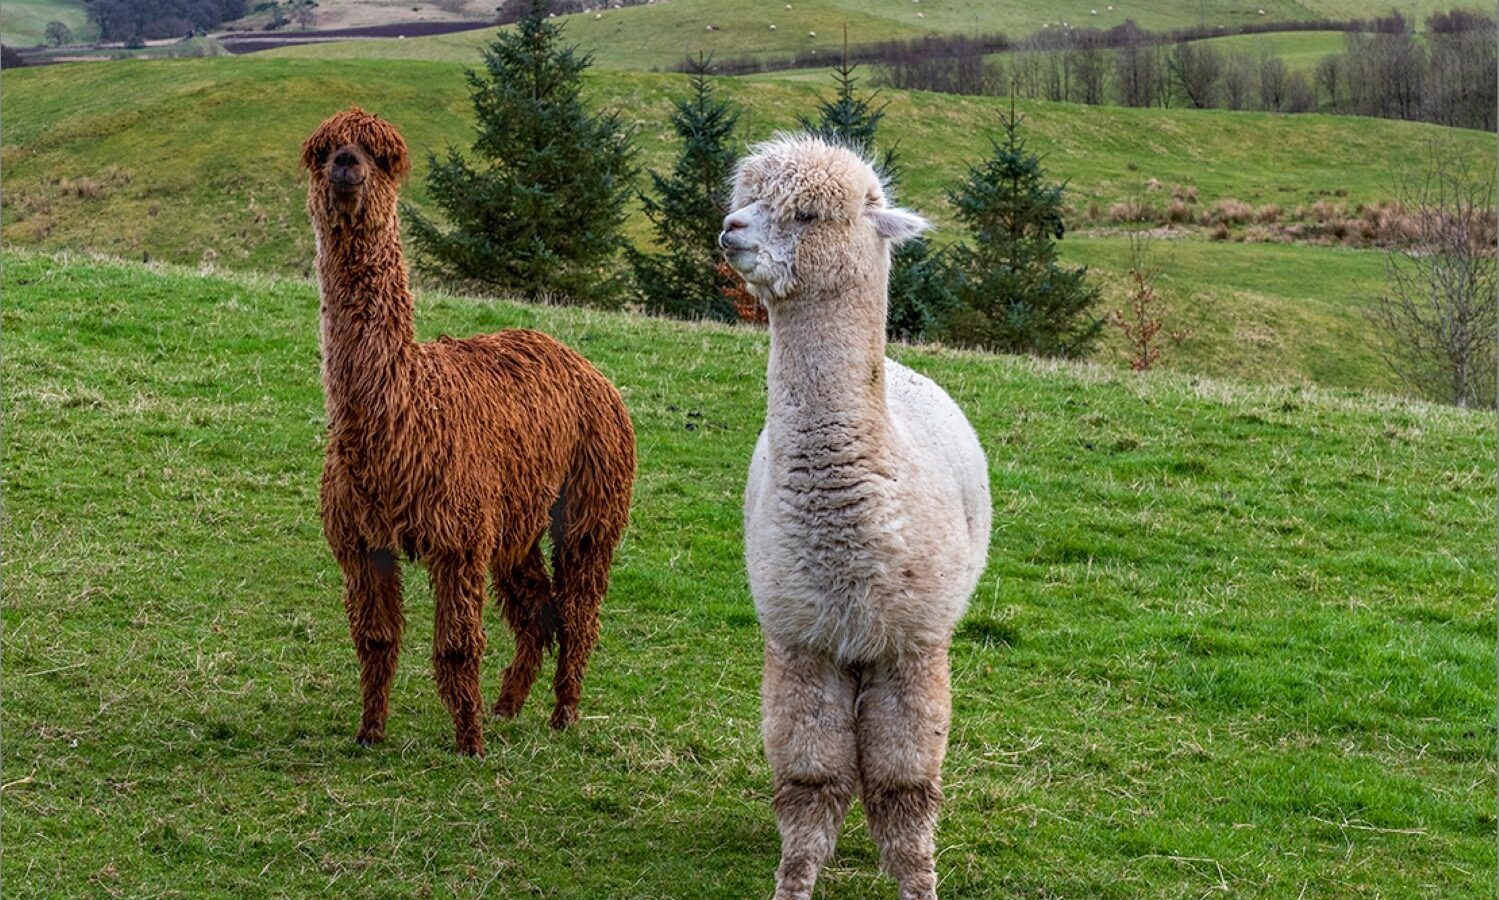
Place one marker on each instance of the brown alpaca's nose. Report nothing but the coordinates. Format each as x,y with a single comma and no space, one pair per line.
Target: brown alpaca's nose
345,171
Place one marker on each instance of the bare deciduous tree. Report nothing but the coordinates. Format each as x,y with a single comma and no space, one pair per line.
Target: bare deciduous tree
1237,81
1194,72
1437,319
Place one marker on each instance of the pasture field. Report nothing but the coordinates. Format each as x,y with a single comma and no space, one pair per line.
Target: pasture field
1301,50
23,23
1232,639
658,36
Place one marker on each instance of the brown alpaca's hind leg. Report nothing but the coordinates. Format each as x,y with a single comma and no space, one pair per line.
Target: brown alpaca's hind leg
458,645
807,721
372,599
580,576
526,594
903,716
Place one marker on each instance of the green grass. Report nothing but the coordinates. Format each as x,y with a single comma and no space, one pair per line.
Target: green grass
1301,50
215,140
23,23
1271,313
659,36
187,48
1231,639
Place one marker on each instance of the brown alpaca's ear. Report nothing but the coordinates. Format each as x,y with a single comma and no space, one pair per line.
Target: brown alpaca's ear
314,151
389,150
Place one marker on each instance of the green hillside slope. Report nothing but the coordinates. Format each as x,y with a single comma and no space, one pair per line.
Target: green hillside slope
23,23
1247,626
658,36
195,161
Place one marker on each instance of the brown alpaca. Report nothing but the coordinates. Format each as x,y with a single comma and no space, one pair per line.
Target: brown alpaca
460,454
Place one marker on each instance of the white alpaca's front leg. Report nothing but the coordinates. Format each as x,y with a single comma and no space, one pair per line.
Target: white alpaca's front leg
807,720
905,708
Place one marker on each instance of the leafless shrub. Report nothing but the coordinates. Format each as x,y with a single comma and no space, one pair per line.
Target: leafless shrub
84,188
1179,212
1136,210
1219,232
1268,214
1436,321
1328,211
1143,317
1229,211
1184,192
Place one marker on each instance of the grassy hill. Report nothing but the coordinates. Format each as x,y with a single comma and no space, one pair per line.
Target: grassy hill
1231,639
659,36
196,160
23,23
1301,50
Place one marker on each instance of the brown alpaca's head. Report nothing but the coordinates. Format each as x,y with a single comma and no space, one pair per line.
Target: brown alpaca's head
355,162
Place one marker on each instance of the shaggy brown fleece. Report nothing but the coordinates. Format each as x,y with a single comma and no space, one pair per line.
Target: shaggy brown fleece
457,453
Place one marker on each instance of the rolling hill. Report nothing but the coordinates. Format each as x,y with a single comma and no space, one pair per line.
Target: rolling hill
658,36
1232,639
23,23
195,160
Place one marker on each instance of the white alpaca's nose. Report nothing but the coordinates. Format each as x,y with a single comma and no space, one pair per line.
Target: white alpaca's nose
732,237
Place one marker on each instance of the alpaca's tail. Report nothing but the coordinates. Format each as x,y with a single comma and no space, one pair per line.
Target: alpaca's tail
594,503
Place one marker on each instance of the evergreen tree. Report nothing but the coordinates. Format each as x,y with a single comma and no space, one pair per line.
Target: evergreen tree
688,209
1011,296
852,120
539,213
918,290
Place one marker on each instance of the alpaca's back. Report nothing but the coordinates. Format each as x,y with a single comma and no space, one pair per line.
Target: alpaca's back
946,446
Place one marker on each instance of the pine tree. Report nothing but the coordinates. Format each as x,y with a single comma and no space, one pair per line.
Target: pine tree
918,290
687,211
851,119
539,212
1011,295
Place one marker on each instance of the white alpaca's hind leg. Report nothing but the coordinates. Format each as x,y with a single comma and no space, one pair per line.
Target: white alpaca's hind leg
807,719
902,720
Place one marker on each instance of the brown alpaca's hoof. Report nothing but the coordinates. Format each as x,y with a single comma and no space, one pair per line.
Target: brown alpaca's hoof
470,742
564,717
508,708
369,737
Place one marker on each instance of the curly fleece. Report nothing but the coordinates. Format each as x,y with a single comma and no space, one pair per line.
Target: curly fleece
458,453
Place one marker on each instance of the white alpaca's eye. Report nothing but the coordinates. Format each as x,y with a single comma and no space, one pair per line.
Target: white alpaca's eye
803,216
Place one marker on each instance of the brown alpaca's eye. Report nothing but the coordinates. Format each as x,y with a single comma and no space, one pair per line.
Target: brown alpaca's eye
803,216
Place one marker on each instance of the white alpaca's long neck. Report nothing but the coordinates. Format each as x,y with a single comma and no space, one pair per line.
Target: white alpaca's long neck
368,337
826,378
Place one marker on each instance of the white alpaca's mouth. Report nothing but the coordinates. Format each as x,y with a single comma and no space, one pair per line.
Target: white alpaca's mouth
744,259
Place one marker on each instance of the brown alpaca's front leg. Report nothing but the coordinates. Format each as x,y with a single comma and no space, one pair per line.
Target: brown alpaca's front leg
904,712
581,577
807,721
525,595
372,599
458,645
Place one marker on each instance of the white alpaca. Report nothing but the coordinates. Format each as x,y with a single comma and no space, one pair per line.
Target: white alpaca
866,518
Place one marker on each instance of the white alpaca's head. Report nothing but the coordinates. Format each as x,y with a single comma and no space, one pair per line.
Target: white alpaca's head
810,216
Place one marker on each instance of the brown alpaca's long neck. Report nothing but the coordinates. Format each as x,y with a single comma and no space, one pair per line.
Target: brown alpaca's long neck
368,338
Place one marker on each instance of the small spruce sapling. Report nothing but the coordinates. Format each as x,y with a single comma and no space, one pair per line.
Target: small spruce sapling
1011,294
539,211
687,209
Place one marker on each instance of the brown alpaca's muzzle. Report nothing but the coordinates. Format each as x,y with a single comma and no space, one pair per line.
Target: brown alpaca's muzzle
355,161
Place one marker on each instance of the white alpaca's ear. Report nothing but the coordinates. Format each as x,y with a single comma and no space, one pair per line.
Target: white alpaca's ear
895,224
